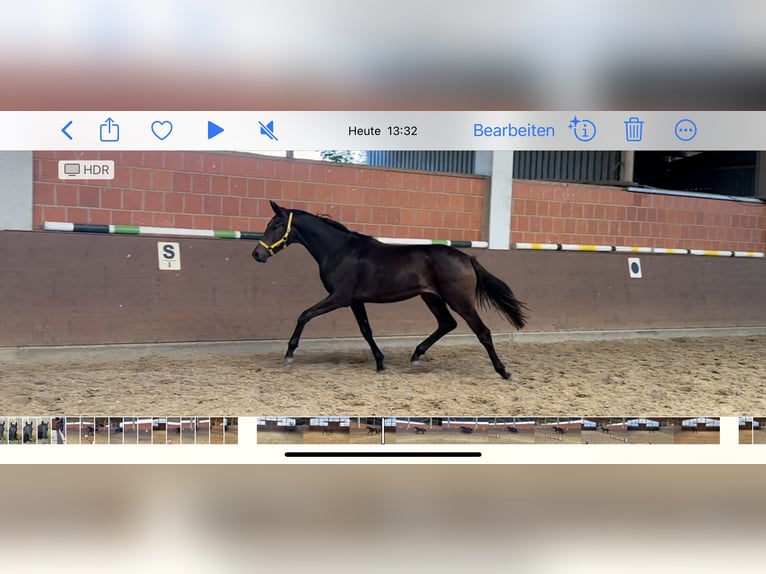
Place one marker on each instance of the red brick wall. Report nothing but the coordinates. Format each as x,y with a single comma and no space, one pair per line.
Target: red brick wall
231,191
546,212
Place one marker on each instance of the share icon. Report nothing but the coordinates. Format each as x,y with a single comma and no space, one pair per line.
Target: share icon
268,130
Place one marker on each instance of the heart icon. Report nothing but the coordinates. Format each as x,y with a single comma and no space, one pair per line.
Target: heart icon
162,129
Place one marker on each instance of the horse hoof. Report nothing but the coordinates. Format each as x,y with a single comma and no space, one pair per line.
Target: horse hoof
288,361
506,375
415,363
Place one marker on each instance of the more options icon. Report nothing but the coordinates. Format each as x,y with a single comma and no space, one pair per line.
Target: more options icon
685,130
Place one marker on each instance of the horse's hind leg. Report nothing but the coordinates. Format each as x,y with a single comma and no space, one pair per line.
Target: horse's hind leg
446,324
485,336
360,313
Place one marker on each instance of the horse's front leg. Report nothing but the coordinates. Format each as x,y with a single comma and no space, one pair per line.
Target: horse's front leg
329,303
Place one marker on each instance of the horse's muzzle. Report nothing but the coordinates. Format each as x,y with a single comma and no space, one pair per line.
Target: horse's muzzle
260,254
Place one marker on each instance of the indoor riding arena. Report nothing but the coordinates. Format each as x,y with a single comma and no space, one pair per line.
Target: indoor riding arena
641,301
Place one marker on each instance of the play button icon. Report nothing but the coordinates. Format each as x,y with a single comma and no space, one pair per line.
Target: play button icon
213,130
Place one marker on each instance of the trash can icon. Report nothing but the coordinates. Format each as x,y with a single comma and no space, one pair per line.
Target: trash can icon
634,129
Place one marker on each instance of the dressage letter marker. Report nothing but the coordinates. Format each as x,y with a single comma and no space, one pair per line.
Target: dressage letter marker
634,267
169,255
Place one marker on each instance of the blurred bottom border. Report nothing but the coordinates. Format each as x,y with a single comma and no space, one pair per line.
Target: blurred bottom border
433,517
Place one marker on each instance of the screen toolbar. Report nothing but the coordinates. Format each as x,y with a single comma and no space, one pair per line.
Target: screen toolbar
458,130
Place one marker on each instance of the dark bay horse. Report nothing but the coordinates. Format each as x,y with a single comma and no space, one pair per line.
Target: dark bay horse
26,432
42,430
356,269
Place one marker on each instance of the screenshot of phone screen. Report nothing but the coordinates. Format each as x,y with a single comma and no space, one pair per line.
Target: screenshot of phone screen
423,263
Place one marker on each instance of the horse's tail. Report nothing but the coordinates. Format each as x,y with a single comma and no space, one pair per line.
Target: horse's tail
493,292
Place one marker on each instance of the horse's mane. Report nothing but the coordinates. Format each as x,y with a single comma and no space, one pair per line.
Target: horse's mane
330,221
324,218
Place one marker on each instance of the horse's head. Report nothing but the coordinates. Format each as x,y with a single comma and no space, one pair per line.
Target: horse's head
277,234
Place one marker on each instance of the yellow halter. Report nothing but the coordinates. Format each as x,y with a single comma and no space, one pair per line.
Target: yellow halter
272,249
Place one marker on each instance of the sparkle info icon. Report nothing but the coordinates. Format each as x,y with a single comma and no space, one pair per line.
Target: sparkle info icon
582,129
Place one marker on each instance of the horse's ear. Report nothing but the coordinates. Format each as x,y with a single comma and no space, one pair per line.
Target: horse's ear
278,210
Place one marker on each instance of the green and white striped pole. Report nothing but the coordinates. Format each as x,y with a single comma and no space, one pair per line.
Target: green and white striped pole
252,235
226,234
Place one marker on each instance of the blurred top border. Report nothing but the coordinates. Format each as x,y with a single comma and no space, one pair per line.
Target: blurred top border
345,55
